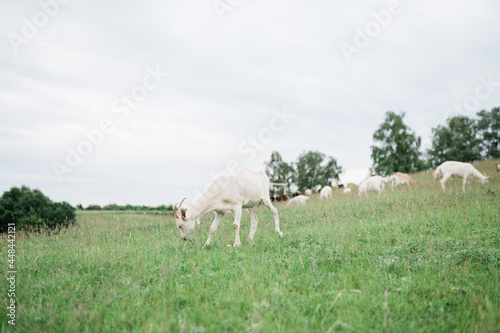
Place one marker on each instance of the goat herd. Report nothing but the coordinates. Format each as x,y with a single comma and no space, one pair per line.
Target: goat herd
247,188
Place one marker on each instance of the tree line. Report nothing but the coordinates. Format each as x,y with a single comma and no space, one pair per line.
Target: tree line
395,148
310,169
464,139
115,207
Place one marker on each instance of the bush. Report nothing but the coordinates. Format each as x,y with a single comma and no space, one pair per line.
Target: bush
29,208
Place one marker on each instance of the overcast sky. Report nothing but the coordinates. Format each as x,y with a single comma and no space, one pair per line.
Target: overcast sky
142,102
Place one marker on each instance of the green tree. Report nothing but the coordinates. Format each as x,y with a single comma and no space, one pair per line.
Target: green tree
31,208
489,132
396,147
456,141
315,168
279,171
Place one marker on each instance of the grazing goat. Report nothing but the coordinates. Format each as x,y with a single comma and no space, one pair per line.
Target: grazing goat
351,185
335,186
296,194
299,200
374,183
458,170
317,188
347,190
399,178
308,192
326,192
497,167
282,197
229,193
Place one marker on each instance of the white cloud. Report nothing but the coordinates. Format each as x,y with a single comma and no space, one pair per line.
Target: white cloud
225,78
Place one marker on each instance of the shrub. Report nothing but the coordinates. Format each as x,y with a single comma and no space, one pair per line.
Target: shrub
29,208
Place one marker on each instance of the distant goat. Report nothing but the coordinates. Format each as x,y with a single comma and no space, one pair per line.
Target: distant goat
351,185
326,192
374,183
299,200
296,194
308,192
229,193
498,167
347,190
458,170
281,197
399,178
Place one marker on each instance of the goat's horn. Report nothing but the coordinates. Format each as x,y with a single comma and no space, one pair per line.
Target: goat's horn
180,205
175,210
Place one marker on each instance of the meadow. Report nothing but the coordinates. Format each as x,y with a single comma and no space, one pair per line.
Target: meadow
413,259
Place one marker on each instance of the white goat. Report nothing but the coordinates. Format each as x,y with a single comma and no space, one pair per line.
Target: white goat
326,192
374,183
497,167
299,200
308,192
347,190
229,193
458,170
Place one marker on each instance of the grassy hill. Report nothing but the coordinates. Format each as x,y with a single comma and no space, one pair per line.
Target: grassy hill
413,259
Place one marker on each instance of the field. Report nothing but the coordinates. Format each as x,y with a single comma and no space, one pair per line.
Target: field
413,259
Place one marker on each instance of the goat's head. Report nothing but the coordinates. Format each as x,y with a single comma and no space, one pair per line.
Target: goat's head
185,226
484,179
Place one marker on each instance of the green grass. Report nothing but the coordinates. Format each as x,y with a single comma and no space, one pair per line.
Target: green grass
413,259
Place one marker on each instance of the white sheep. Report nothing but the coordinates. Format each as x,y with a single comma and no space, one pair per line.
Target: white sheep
374,183
458,170
326,192
299,200
229,193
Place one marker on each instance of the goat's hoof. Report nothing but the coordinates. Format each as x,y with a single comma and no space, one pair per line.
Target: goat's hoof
236,244
279,233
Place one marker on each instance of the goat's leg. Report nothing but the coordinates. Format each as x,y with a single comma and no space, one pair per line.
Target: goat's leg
236,225
255,222
445,178
213,227
273,209
465,182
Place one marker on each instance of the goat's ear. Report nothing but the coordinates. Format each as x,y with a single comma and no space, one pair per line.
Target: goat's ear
183,214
